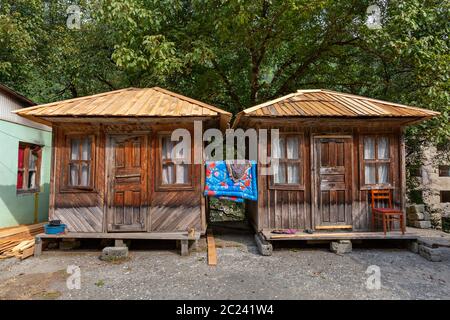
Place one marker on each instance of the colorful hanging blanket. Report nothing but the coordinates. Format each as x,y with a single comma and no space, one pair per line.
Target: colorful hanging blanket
231,181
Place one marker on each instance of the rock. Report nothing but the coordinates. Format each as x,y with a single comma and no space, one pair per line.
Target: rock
413,246
430,254
225,210
422,224
69,244
264,247
114,253
341,247
416,208
414,216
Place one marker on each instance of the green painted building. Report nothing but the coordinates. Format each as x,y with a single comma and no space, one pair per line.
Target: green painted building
25,151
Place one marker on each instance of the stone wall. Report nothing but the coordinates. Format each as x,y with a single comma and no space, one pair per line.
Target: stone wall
225,210
430,183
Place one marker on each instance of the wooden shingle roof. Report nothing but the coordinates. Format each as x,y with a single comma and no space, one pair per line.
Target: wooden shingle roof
327,103
129,102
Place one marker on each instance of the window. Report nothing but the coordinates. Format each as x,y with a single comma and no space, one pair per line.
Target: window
288,170
377,160
443,146
80,162
445,196
415,171
444,171
175,169
29,167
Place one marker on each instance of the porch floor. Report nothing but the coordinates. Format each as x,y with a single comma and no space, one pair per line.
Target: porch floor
122,235
355,235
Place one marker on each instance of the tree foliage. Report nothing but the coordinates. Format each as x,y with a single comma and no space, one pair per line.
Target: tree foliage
233,53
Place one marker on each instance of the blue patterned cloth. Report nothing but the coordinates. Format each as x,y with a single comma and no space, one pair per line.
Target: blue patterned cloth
220,184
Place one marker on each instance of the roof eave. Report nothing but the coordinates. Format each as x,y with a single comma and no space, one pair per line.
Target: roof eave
405,120
17,96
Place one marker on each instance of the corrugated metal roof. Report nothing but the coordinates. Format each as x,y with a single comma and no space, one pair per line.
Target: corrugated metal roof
23,100
327,103
8,103
130,102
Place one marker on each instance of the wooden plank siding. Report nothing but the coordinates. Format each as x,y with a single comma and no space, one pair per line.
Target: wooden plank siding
84,211
284,208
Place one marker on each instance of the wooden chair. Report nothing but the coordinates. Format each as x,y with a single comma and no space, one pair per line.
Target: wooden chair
386,214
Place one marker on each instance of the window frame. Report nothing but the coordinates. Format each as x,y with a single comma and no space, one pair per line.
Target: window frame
300,162
390,161
25,170
65,186
444,169
160,186
441,196
443,147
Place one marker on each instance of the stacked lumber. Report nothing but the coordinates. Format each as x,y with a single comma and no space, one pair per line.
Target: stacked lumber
19,241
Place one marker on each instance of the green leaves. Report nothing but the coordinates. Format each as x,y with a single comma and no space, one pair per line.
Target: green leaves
233,53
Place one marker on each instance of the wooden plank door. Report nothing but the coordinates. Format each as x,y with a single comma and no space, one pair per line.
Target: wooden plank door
127,183
333,181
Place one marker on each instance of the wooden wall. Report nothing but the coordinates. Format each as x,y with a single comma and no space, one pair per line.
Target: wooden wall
85,211
295,208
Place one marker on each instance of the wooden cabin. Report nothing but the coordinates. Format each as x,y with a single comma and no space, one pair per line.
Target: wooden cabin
112,173
333,148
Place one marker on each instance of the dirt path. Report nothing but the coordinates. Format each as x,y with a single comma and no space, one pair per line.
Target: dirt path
241,273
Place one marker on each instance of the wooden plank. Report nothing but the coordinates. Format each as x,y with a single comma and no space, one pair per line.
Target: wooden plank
334,227
29,229
125,235
27,253
395,235
212,254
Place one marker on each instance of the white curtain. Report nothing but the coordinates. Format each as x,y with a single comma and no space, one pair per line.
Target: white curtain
383,173
292,147
84,175
292,173
31,179
167,146
182,173
383,148
73,175
167,174
86,149
369,148
370,177
292,153
75,149
32,161
280,173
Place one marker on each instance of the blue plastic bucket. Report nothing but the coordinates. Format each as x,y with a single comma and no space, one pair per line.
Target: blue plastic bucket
48,229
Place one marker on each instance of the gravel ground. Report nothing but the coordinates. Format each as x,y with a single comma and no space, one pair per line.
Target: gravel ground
241,273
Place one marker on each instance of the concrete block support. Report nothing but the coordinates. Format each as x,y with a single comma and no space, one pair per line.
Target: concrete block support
264,247
341,247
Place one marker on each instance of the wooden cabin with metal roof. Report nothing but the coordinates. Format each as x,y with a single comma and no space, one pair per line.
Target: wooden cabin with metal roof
113,175
333,148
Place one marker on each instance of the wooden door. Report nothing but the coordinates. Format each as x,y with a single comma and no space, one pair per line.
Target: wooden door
127,183
333,181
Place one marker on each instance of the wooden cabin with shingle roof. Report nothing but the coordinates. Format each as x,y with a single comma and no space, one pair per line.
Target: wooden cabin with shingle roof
113,175
333,149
